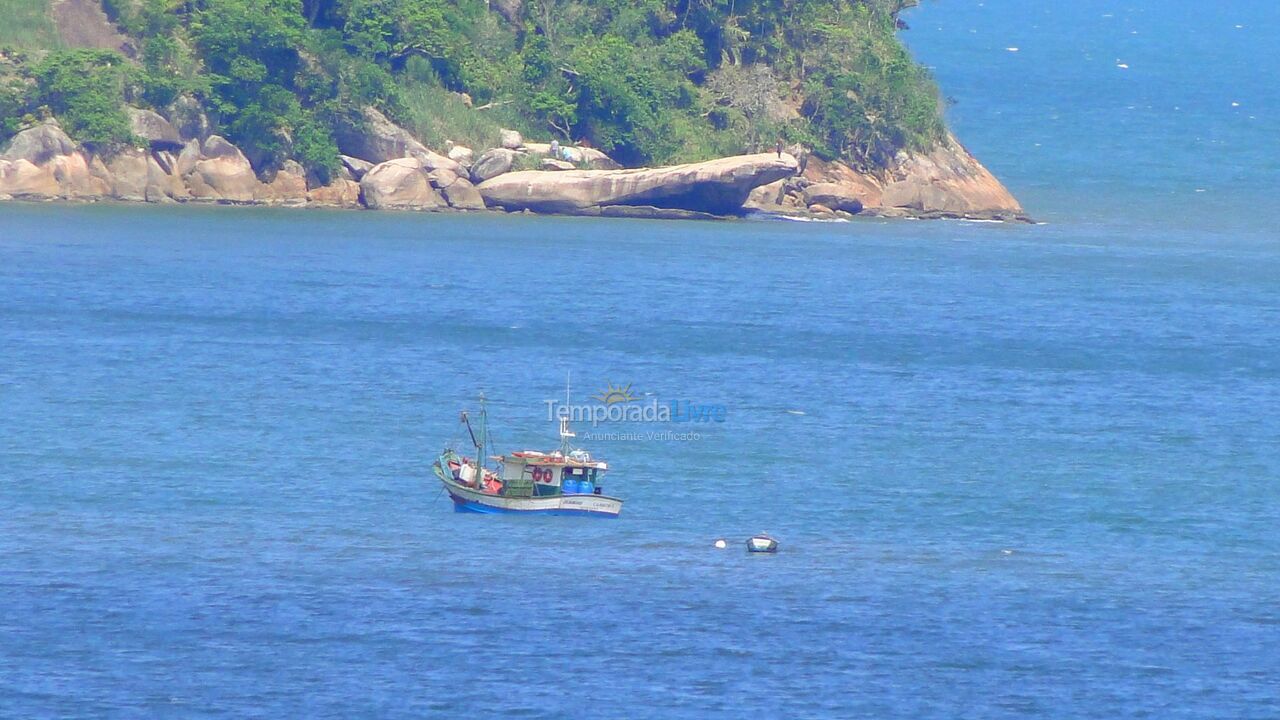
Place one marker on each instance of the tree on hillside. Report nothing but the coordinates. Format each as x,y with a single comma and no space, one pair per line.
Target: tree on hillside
85,89
259,85
748,96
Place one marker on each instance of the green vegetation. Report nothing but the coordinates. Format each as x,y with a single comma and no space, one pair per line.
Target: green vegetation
648,81
436,115
83,88
26,24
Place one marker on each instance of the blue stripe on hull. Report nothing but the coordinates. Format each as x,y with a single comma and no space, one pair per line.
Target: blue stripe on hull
466,506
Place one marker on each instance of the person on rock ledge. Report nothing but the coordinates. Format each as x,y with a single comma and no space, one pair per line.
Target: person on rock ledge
778,147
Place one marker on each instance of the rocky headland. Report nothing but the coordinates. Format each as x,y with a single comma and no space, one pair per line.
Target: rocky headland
178,160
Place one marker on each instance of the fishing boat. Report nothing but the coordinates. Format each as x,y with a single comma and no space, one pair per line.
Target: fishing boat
566,481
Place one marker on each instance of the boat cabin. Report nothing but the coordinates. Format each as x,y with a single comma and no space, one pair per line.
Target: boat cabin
552,473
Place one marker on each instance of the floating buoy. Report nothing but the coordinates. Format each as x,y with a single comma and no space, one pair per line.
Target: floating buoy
762,544
721,544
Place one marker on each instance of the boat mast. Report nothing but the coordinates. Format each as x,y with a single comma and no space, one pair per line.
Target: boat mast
480,442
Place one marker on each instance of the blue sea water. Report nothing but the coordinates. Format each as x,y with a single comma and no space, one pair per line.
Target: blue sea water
1165,113
1017,471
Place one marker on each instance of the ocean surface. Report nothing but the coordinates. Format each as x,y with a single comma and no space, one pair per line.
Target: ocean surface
1016,471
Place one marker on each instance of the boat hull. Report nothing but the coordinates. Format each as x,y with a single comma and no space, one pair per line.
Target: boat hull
468,500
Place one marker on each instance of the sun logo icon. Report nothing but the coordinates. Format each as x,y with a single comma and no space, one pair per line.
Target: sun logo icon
615,394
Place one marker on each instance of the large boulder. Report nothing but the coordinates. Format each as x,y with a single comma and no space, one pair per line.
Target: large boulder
137,175
355,166
128,170
288,187
432,160
441,179
188,118
40,144
868,188
832,196
492,163
947,179
717,186
188,157
43,163
150,126
511,139
22,179
76,178
98,169
592,158
379,140
399,184
462,195
916,193
944,181
163,181
222,173
462,155
540,149
340,192
767,197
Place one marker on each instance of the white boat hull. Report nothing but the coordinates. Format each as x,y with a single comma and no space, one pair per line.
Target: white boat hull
467,499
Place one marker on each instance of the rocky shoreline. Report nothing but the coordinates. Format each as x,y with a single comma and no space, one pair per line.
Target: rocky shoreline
385,168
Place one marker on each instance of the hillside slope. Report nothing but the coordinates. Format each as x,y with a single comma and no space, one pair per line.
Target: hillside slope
646,81
27,24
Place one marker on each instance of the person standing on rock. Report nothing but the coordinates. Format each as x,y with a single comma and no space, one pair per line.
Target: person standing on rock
778,147
555,149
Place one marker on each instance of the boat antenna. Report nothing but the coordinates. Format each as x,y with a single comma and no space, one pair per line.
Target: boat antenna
565,432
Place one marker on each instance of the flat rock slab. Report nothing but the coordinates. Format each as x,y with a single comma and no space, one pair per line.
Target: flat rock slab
717,187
